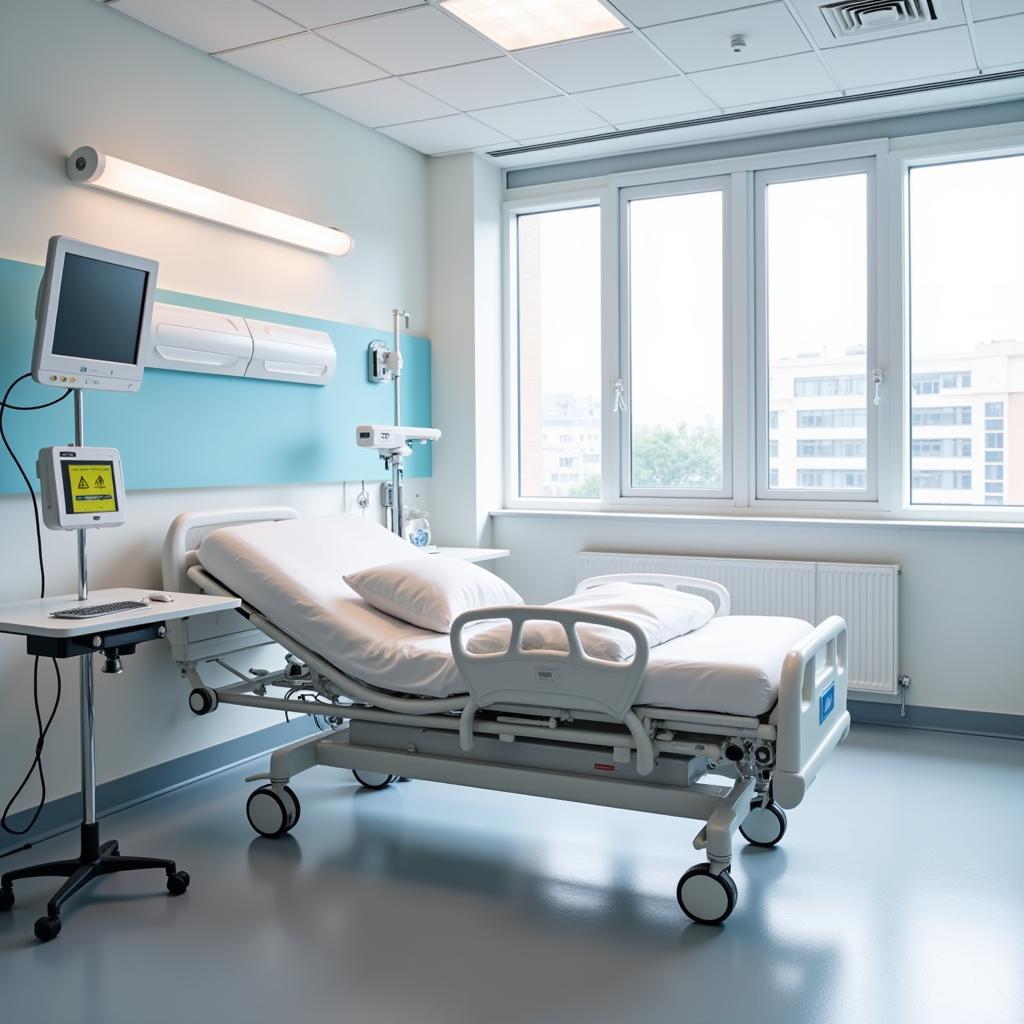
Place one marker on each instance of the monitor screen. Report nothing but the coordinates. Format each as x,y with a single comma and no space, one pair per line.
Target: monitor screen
100,311
88,486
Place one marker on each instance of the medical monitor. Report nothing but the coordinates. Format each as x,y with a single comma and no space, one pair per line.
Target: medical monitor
81,487
93,317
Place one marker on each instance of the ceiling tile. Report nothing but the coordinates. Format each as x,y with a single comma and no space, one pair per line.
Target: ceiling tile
902,58
388,101
1000,42
540,117
951,13
446,134
414,40
985,9
597,63
701,43
664,98
782,78
485,83
210,26
302,63
657,12
316,13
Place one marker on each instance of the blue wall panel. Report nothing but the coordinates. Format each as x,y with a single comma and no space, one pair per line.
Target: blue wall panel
200,430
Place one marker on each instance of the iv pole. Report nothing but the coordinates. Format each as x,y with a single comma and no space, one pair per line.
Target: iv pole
397,466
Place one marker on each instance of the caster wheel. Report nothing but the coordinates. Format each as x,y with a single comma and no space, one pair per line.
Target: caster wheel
6,899
202,700
292,806
47,928
704,897
764,826
267,813
178,882
374,780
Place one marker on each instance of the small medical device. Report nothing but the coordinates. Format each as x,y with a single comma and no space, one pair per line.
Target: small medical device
394,440
81,487
93,317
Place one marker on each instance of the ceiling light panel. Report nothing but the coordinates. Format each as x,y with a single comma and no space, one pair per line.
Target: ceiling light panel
517,24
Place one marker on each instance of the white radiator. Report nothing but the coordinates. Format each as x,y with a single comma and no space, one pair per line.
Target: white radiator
864,595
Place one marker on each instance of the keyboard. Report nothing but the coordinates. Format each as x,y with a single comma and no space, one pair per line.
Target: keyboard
87,611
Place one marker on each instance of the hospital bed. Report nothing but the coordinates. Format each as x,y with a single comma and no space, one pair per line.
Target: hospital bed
728,725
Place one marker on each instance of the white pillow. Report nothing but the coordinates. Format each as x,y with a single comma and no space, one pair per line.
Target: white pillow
430,591
661,614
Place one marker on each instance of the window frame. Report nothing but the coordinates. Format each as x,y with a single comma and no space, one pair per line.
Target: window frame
893,159
626,489
763,495
963,146
511,392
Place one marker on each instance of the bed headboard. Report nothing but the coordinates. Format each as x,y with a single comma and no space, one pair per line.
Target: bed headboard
223,633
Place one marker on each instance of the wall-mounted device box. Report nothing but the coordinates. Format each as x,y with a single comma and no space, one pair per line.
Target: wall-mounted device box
198,341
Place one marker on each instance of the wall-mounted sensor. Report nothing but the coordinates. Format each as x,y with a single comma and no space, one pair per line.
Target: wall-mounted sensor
738,43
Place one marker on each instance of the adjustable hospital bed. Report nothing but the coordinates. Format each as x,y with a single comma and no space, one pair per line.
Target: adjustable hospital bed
728,724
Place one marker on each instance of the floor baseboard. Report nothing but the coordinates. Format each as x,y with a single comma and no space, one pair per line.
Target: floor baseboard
977,723
66,812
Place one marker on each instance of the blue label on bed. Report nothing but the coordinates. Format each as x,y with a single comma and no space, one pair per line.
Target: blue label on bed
826,703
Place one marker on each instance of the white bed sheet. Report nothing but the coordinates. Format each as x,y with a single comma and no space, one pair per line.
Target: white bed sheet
292,571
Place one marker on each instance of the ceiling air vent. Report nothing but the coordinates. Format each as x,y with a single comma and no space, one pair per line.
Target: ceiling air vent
859,17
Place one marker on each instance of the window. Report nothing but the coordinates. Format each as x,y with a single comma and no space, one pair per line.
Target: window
675,341
942,416
942,447
830,479
830,448
933,383
814,387
944,480
840,335
966,219
814,300
558,320
831,418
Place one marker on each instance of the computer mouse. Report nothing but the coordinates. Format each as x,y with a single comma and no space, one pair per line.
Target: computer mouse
162,598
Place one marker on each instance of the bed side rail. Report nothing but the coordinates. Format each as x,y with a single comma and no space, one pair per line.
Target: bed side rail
714,592
811,716
559,680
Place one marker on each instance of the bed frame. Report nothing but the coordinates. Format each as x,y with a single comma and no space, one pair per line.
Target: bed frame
560,725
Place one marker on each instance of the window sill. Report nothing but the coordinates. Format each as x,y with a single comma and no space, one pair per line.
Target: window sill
748,517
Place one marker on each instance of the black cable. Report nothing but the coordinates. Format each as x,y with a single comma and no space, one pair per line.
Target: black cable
36,766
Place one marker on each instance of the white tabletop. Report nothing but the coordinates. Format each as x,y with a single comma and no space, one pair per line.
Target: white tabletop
474,554
32,618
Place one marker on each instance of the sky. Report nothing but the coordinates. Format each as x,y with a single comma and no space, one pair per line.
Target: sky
967,236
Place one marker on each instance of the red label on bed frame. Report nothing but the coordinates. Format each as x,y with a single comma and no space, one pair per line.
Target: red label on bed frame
602,767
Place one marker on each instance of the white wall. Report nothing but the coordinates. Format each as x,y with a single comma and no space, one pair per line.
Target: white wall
465,311
73,72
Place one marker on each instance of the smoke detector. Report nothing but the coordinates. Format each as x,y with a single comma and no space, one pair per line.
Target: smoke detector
860,17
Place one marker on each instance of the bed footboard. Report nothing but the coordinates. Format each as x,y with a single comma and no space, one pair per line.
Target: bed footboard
811,716
572,680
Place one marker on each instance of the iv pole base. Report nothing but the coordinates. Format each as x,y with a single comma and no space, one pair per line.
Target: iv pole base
94,861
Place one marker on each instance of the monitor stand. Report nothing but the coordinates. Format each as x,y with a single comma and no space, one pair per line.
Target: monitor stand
95,859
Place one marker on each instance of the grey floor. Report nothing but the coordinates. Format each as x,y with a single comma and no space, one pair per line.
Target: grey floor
897,896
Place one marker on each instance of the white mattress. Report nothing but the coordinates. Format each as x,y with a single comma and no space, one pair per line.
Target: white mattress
291,571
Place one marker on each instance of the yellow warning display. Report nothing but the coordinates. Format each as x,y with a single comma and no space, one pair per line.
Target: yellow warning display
92,487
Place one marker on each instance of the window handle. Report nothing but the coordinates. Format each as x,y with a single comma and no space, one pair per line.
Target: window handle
619,396
876,381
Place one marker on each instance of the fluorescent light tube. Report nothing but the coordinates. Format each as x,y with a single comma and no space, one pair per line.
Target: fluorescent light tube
516,24
88,166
